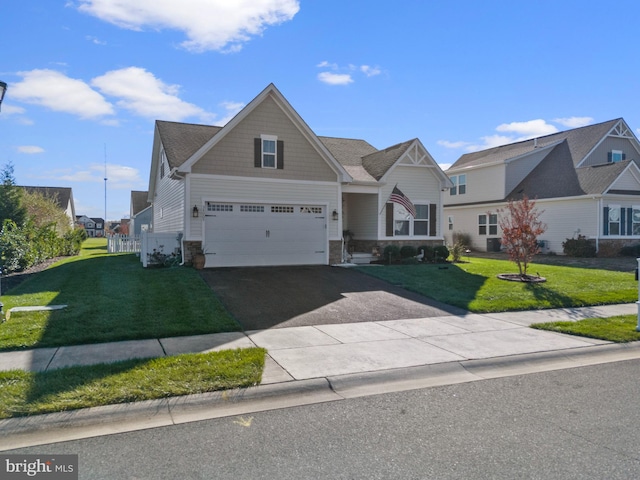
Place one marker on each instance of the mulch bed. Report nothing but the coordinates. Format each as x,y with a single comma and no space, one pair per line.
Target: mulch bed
14,279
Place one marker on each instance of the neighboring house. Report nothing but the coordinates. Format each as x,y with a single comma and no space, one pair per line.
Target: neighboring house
265,190
586,182
141,213
63,196
93,226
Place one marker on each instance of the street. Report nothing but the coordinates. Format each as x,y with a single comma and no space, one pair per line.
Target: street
566,424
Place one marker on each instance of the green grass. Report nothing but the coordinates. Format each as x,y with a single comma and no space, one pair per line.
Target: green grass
474,285
28,393
110,298
619,329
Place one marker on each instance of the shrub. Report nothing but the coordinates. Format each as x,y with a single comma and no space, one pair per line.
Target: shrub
391,253
457,250
407,251
579,247
462,238
441,253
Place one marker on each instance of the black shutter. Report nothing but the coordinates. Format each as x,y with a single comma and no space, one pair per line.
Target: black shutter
280,149
389,214
257,153
623,221
629,221
609,157
624,156
605,226
433,224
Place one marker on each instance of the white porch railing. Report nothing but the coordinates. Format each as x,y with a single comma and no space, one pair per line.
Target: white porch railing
123,243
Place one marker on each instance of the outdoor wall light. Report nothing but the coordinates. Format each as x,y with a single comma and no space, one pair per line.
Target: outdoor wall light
334,215
3,88
195,211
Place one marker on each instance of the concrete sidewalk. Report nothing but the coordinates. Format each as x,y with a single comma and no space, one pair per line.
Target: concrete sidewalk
301,353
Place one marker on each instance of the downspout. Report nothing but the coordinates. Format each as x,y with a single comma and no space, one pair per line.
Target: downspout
599,224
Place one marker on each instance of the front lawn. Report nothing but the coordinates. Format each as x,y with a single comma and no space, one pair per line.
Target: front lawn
474,286
31,393
110,298
619,329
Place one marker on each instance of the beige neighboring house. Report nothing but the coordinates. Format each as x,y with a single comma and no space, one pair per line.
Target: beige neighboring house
63,197
585,180
266,190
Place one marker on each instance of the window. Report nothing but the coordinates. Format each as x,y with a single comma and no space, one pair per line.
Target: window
268,152
488,223
450,220
621,221
400,223
616,156
459,185
163,161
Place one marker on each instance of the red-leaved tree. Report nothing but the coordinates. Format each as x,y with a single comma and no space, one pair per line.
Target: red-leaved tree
521,225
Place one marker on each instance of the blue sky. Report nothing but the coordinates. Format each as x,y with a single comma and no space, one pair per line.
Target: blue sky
88,78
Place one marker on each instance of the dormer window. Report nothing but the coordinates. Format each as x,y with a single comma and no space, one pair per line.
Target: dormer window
616,156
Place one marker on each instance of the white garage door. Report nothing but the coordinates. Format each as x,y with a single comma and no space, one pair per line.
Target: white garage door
245,234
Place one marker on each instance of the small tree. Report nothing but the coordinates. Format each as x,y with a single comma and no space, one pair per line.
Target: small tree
521,225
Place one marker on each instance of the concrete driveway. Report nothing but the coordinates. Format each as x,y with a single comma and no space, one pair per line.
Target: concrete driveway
268,297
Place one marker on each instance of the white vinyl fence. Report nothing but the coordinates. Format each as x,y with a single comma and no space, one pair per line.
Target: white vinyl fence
160,248
123,243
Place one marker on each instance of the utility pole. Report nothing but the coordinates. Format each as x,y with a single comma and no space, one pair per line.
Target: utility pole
105,189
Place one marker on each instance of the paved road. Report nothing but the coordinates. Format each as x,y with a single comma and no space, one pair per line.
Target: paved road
574,423
268,297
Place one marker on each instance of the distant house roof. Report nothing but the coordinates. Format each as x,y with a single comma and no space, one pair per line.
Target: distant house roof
62,195
139,201
580,142
559,173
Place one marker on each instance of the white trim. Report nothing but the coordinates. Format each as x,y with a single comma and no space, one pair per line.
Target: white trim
415,145
269,138
262,180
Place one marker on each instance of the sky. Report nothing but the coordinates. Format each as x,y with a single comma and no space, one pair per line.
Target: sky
88,78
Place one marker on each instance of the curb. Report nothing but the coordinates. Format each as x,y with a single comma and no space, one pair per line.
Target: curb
21,432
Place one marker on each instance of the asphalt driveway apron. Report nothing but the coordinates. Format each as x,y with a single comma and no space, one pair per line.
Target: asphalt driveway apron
270,297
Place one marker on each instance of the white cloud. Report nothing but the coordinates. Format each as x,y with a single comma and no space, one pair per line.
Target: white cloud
529,129
145,95
335,78
119,177
370,71
208,24
448,144
232,109
574,122
56,91
344,78
444,166
95,40
30,149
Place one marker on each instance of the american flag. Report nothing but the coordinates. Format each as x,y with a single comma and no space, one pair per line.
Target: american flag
398,197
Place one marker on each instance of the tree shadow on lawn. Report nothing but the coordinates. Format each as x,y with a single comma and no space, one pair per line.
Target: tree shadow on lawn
547,296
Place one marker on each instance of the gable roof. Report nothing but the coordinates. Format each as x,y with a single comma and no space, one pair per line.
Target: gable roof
62,195
182,140
139,201
269,92
580,142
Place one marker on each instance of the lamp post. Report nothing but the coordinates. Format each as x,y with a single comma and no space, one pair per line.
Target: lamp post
3,88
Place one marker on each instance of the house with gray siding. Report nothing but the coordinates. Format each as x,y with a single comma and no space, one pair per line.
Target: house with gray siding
586,182
266,190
